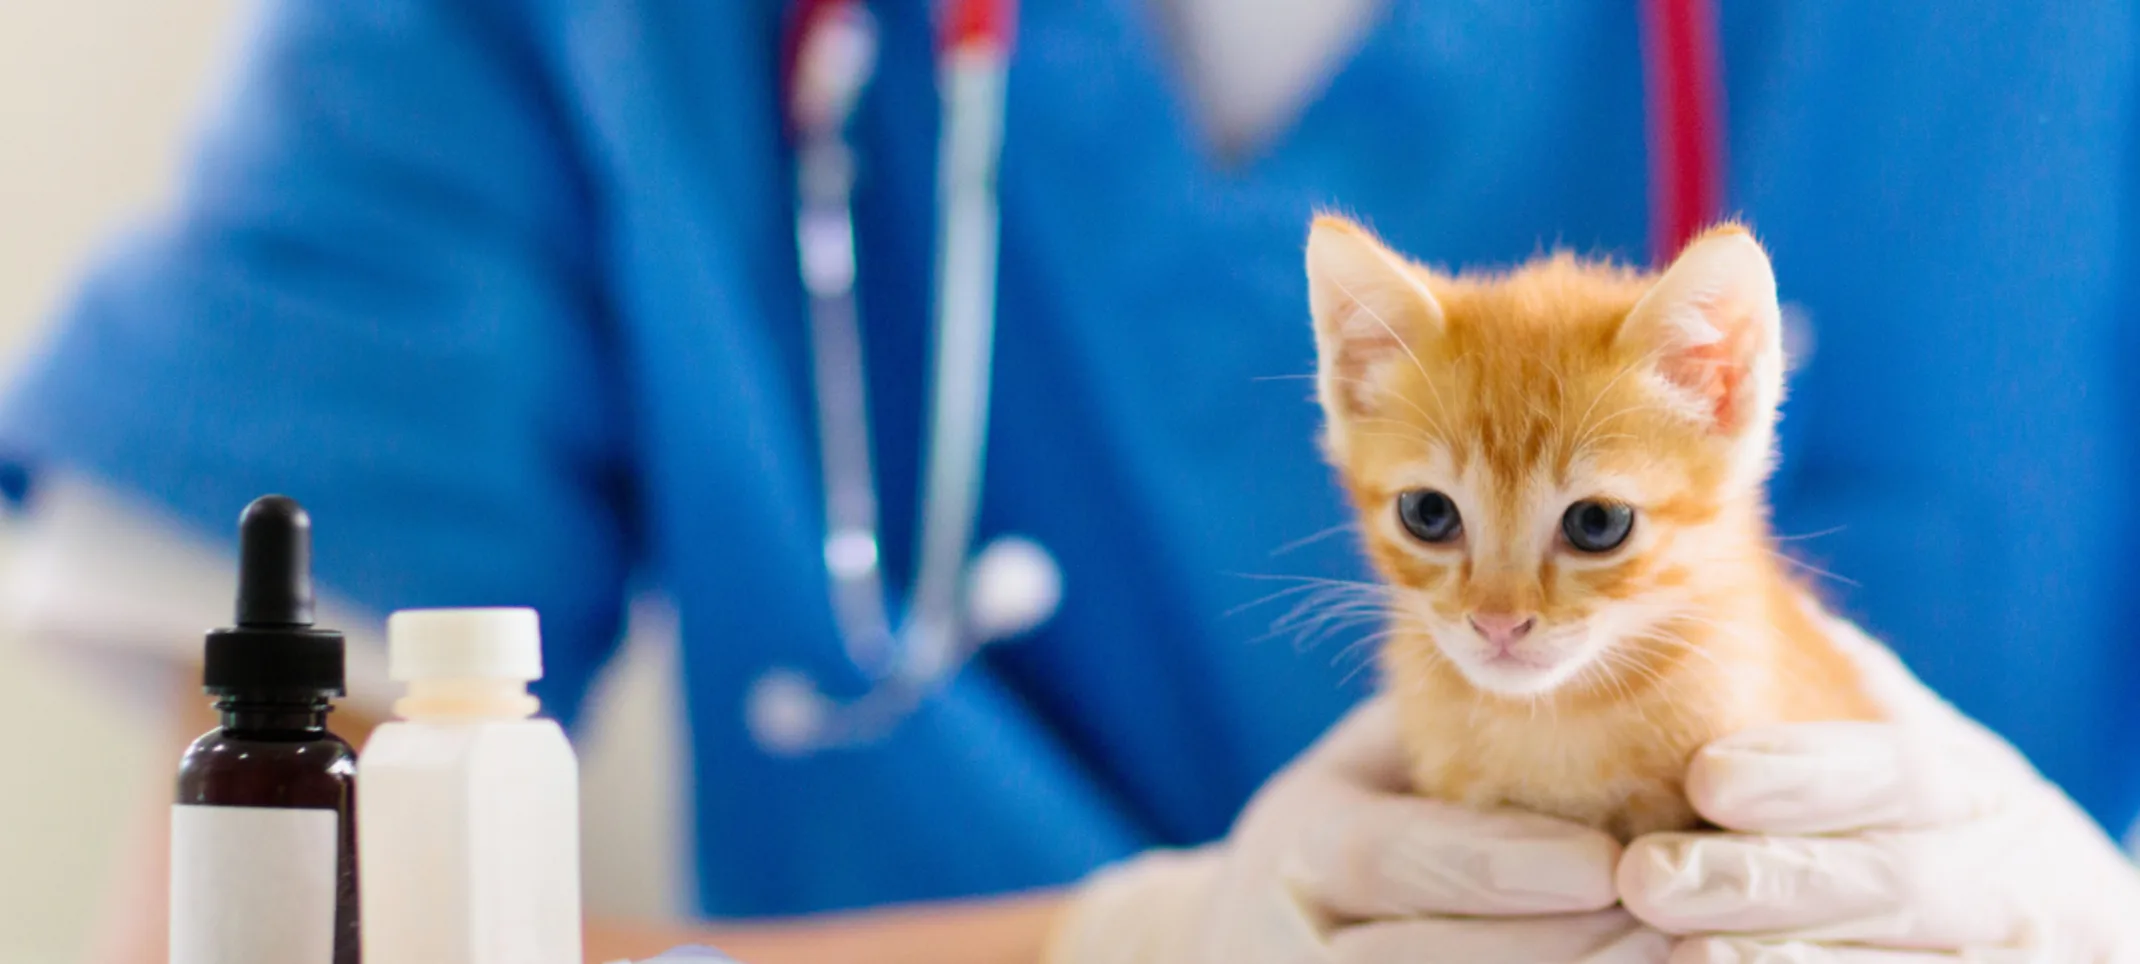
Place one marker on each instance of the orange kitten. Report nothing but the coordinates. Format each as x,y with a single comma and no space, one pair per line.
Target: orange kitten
1559,473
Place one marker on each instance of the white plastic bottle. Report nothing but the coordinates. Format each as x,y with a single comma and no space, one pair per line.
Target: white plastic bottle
468,807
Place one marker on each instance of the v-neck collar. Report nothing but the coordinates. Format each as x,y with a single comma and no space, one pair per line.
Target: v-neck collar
1150,42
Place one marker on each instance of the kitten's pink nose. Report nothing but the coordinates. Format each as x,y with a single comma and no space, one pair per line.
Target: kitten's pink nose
1502,629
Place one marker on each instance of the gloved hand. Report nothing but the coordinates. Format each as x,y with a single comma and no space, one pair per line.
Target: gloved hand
1332,862
1924,839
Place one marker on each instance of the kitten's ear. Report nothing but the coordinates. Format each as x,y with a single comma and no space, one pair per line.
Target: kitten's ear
1368,302
1713,324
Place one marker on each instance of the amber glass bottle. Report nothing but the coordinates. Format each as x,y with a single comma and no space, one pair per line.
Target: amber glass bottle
263,840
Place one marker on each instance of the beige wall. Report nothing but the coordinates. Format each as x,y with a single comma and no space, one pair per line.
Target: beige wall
94,98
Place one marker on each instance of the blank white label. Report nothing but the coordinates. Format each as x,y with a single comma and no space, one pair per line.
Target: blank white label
252,885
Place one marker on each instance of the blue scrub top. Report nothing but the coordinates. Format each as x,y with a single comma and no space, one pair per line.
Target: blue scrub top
506,292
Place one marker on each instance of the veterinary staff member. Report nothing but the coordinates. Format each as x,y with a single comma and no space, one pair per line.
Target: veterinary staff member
507,293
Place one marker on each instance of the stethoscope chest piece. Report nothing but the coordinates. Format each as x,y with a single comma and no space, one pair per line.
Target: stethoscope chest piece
1012,586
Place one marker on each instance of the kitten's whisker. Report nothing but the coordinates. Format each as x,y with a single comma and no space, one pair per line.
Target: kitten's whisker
1811,568
1303,622
1362,588
1315,580
1311,634
1622,686
1666,688
1327,610
1680,644
1698,619
1348,609
1354,673
1306,541
1614,660
1312,617
1262,600
1627,662
1653,645
1355,647
1306,648
1832,530
1320,607
1300,645
1330,593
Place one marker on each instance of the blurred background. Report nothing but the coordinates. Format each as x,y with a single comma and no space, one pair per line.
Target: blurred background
1899,173
94,100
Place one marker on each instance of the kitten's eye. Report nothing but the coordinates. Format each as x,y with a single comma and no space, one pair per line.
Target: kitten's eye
1429,515
1594,526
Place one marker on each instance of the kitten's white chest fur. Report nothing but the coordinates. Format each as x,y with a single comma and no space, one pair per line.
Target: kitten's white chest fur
1618,766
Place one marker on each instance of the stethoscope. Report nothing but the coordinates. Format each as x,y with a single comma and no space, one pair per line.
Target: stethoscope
961,600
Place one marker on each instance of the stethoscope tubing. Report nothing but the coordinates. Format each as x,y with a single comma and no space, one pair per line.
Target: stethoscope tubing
833,53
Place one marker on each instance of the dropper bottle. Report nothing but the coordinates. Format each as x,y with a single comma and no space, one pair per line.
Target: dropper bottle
263,835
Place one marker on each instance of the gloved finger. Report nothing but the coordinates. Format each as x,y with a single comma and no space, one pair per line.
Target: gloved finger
1380,856
1816,778
1934,889
1715,950
1605,937
1365,746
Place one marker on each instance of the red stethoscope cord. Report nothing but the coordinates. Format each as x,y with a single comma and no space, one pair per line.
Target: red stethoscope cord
1682,77
961,24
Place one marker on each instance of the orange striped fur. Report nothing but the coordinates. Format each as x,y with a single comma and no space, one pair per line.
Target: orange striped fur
1516,394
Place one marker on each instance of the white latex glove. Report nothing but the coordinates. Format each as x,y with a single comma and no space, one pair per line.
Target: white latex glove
1332,862
1925,839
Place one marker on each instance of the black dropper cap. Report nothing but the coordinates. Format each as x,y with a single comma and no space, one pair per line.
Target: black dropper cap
274,652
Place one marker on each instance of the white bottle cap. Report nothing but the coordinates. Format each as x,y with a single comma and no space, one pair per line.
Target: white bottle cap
501,643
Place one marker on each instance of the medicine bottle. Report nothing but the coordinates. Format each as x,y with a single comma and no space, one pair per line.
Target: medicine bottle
469,826
263,836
